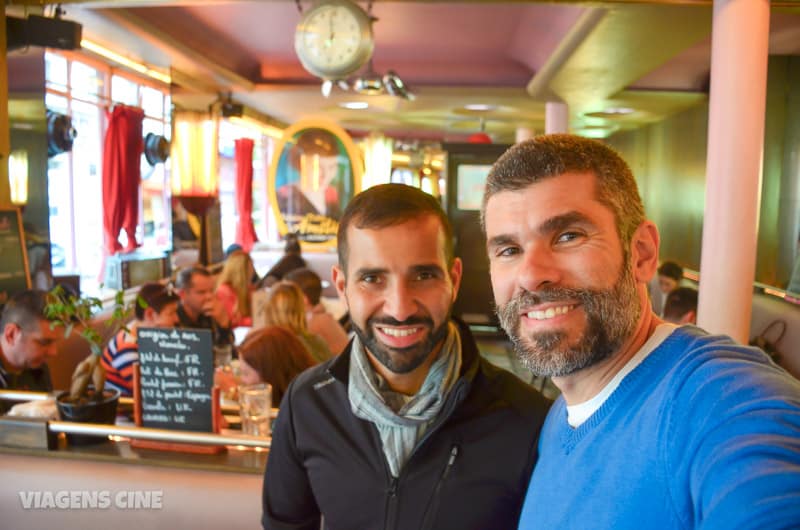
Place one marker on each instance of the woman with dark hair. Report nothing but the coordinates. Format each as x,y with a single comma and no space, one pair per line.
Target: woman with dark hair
272,355
157,307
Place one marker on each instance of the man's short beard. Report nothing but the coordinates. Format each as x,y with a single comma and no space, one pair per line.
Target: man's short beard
611,318
409,358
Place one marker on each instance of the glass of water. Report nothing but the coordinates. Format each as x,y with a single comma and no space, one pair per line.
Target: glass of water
222,355
255,405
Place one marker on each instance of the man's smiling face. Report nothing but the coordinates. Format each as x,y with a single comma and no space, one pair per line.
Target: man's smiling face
399,290
562,281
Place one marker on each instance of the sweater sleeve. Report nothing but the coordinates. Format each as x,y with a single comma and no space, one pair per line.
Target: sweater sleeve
738,447
287,499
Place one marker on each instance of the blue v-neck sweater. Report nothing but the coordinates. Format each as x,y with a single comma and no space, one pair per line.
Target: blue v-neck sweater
703,434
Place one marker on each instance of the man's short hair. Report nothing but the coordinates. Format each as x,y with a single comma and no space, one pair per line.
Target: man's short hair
308,281
25,309
388,205
184,278
552,155
670,269
679,302
156,296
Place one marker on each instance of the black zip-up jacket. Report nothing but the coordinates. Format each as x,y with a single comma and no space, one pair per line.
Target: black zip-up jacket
469,471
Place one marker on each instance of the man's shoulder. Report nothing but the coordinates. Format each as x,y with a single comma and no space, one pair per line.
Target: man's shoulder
315,382
694,348
505,387
715,370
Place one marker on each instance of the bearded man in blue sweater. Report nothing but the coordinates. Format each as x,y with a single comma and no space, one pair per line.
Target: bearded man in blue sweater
658,426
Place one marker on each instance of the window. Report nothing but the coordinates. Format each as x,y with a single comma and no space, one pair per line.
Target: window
84,88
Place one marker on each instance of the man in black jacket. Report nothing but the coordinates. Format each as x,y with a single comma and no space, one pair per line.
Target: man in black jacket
409,428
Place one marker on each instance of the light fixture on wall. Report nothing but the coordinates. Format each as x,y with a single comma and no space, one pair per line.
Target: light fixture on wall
120,59
18,177
195,157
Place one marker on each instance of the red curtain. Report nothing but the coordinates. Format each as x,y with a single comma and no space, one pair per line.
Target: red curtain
122,151
245,232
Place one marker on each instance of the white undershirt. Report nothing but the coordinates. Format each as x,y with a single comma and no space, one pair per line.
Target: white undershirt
577,414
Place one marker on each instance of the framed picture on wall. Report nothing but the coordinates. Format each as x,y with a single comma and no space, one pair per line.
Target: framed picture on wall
314,174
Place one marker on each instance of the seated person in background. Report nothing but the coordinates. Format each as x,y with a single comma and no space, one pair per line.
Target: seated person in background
668,279
26,343
199,308
670,275
157,307
233,247
317,317
234,287
285,307
273,355
290,261
681,306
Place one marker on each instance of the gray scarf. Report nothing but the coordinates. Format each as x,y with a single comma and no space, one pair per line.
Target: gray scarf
372,400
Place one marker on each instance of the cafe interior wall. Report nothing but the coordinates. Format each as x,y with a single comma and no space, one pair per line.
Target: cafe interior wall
669,160
28,131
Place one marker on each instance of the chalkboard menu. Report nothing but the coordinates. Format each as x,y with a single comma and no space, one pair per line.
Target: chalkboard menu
14,275
176,369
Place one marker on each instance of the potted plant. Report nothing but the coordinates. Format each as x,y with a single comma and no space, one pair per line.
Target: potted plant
85,402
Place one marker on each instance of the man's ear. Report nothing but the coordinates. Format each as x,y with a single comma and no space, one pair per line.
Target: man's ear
11,333
689,318
644,251
456,272
150,314
339,281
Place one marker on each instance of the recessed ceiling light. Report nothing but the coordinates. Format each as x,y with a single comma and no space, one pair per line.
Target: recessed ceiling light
610,112
354,105
480,107
619,110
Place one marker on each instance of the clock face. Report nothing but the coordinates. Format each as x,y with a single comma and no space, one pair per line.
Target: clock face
334,39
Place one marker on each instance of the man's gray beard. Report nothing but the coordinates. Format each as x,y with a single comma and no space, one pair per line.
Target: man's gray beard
611,318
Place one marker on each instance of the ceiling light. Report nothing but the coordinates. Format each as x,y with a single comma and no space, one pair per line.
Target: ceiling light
480,107
610,112
124,61
596,131
354,105
619,110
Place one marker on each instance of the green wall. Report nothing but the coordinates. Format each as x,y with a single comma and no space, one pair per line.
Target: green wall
669,159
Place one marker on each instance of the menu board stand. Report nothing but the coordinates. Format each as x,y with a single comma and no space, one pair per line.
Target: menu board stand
181,447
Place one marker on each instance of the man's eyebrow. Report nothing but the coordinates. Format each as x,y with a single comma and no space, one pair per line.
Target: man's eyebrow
366,271
562,221
427,267
500,240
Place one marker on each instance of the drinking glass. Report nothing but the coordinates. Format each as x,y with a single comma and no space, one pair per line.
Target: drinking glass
255,405
222,355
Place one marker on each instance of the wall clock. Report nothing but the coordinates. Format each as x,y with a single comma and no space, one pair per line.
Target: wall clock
334,39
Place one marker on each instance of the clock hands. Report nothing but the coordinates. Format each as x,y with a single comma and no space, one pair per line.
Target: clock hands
329,41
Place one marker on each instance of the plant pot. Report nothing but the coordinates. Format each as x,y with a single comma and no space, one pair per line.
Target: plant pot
97,409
